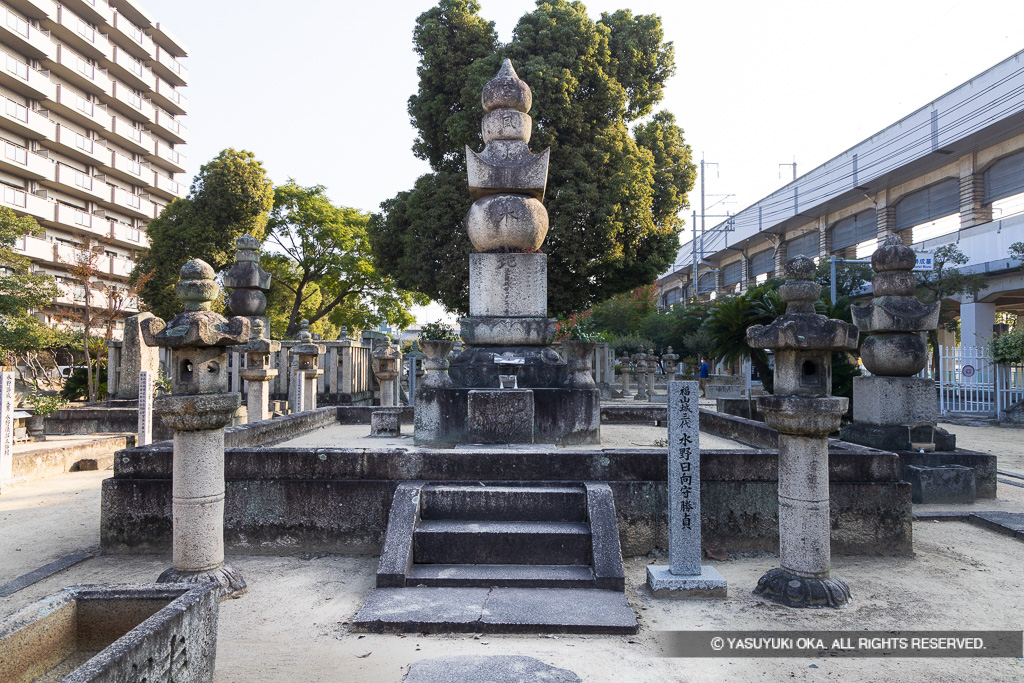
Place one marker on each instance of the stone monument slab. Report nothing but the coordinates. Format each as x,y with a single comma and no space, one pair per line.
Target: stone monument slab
508,285
136,356
684,576
6,427
894,400
146,385
500,416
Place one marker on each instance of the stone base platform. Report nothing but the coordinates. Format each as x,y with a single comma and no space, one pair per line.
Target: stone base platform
664,584
565,417
496,610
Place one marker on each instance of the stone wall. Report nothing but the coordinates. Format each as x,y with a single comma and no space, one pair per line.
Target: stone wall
282,500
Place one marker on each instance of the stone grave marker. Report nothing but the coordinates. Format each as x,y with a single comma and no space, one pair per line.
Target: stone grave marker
6,427
146,383
684,576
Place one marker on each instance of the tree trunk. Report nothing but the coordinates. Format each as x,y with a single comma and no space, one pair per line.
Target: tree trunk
88,361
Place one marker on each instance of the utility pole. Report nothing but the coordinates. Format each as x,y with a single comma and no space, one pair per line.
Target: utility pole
698,251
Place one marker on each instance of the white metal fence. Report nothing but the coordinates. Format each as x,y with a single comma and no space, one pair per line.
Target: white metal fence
967,380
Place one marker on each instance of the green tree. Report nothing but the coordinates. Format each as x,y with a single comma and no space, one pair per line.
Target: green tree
729,319
613,196
230,196
22,335
850,278
323,267
944,281
623,314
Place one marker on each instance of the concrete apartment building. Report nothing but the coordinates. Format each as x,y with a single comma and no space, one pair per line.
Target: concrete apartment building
949,172
90,126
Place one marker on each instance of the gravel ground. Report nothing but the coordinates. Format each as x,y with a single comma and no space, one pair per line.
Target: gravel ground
292,624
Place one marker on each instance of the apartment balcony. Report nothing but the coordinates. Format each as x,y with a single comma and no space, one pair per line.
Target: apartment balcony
79,71
170,98
130,171
168,127
25,37
120,267
130,38
166,157
36,9
79,33
169,67
23,79
167,40
129,103
23,163
168,188
130,204
135,12
128,136
26,204
77,183
77,146
126,235
34,248
96,11
130,70
77,220
80,110
16,117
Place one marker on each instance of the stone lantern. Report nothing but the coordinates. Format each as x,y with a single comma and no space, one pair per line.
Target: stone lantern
640,363
307,369
257,372
197,409
386,368
671,361
804,413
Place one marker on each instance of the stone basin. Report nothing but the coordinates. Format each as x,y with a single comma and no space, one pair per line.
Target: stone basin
107,633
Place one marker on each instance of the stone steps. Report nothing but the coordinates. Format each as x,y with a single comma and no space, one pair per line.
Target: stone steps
504,575
523,555
504,503
446,541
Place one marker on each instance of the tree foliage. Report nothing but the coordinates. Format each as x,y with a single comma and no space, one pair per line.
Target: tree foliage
850,278
613,196
322,268
944,281
22,334
230,196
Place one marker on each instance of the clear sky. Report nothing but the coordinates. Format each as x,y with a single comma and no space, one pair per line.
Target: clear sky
317,89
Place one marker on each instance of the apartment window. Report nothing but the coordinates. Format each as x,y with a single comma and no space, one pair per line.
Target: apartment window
83,143
15,197
17,68
135,167
133,234
18,24
135,134
83,181
17,111
133,99
85,106
16,154
134,31
83,219
86,31
133,63
88,70
134,201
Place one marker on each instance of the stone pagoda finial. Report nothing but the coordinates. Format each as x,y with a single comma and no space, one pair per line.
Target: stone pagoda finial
895,316
506,180
249,282
304,335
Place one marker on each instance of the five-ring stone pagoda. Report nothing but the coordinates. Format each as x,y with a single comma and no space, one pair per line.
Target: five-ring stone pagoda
508,331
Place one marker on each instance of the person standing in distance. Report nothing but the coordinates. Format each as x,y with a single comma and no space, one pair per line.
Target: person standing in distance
703,376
